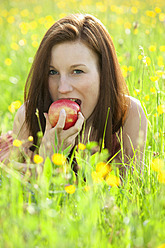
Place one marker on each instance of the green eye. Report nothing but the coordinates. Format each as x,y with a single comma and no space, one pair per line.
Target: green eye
53,72
78,71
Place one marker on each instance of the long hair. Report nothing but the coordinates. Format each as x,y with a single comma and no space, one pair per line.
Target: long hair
90,31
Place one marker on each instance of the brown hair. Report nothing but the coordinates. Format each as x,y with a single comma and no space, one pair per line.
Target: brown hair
113,89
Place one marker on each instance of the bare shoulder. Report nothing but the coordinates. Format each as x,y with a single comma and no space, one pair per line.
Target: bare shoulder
135,111
135,126
19,125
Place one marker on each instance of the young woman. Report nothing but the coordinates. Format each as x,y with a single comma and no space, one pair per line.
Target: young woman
76,60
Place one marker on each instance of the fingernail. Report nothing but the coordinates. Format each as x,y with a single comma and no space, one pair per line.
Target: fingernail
62,111
45,115
79,113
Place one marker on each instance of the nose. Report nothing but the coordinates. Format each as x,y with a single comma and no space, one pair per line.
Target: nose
64,85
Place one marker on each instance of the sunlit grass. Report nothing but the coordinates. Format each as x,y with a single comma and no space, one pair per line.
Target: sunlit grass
54,209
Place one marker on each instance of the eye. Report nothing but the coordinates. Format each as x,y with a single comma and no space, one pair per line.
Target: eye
53,72
77,71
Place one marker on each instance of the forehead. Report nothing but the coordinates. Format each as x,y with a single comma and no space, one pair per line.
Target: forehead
73,51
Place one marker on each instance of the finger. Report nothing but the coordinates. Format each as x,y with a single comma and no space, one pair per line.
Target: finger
61,120
77,127
48,125
79,123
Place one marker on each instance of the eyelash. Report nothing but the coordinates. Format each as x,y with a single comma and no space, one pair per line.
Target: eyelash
79,71
53,72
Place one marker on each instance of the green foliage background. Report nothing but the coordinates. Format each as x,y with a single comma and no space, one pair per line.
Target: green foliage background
130,216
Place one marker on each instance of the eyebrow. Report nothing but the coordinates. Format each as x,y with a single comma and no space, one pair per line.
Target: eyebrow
72,66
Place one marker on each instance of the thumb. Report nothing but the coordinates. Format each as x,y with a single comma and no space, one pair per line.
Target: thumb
48,125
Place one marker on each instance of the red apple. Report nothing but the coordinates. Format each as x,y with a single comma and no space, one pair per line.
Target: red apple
71,109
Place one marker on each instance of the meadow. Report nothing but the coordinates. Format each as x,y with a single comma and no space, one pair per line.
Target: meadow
52,210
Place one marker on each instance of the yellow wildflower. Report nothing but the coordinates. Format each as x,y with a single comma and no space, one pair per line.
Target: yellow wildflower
127,25
152,48
49,18
24,12
14,105
17,143
150,13
124,70
34,37
161,179
58,159
134,10
10,19
35,43
157,10
103,169
14,46
154,78
152,90
33,25
162,17
147,61
147,97
30,138
4,13
70,189
38,159
81,146
112,180
11,108
160,61
8,61
136,92
97,177
161,246
160,73
157,164
147,32
162,48
131,68
161,109
140,57
135,31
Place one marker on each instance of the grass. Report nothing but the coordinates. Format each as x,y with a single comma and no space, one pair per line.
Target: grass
39,212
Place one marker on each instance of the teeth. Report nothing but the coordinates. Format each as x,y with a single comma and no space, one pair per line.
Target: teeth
76,100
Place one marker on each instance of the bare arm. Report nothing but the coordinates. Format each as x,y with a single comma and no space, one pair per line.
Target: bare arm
20,131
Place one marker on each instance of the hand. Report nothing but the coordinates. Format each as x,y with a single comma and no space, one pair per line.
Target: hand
65,138
6,141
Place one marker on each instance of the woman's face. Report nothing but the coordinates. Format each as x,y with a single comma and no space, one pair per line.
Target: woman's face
74,74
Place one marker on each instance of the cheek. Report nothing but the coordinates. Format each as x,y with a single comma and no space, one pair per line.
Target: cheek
95,88
52,90
92,90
